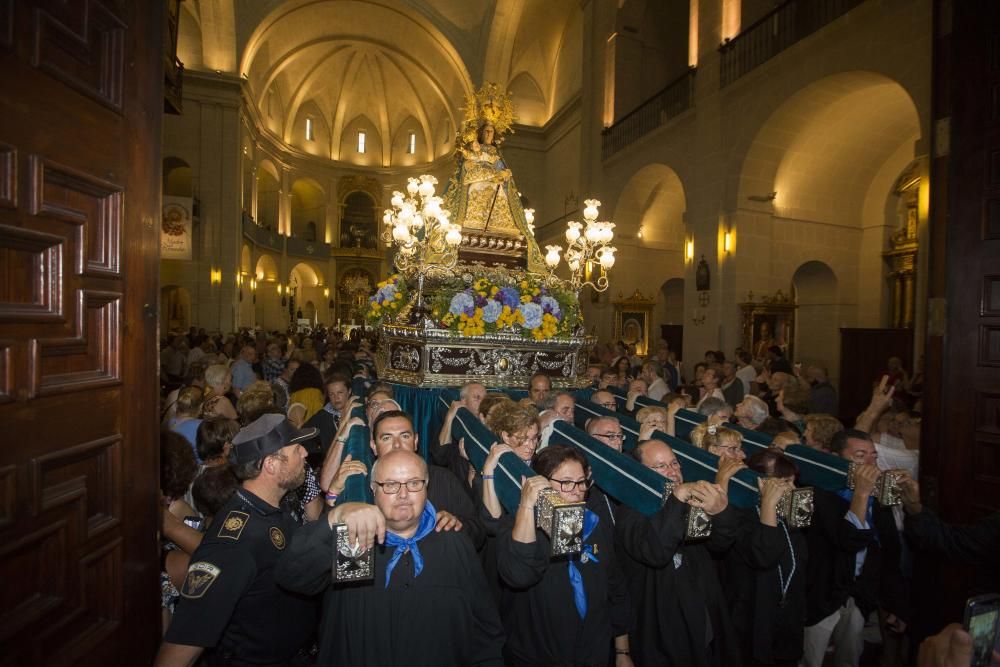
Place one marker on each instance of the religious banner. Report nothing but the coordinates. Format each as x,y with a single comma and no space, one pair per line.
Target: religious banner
175,228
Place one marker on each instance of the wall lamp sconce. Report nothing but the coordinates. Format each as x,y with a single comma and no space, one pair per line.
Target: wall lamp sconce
282,293
638,234
771,196
727,242
326,295
216,277
253,289
689,250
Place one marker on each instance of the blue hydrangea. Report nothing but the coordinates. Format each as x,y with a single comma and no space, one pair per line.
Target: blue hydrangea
462,303
491,311
532,313
509,296
550,305
386,293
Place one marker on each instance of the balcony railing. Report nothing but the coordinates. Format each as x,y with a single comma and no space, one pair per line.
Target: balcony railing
670,102
775,32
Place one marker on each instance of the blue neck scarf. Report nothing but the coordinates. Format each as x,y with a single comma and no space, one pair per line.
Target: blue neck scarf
427,521
586,554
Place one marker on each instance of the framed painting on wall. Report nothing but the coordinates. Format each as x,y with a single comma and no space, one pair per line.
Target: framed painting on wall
632,316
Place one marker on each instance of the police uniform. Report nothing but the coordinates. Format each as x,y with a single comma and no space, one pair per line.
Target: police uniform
229,600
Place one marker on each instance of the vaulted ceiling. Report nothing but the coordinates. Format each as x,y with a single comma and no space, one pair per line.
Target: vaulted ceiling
389,68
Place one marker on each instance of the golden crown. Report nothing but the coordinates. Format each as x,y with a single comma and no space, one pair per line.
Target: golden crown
487,105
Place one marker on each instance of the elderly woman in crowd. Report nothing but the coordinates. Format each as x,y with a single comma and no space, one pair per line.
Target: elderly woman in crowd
517,427
219,380
819,431
564,611
652,419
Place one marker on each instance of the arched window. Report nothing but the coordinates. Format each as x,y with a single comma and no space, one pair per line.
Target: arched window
359,222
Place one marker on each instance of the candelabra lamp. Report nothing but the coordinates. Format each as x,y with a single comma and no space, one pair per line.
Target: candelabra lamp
426,240
586,244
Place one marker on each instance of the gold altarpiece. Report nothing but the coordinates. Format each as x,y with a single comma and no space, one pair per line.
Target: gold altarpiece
902,253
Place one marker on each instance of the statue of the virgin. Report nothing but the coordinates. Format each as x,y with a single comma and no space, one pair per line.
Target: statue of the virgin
481,195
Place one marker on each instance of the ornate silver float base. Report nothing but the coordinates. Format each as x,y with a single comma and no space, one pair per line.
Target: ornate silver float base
422,356
796,507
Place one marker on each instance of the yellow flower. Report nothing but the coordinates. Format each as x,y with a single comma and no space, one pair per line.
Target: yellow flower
526,298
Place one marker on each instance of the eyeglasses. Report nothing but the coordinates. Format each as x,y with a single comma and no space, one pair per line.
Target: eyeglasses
610,405
729,448
660,466
525,439
392,487
610,436
572,484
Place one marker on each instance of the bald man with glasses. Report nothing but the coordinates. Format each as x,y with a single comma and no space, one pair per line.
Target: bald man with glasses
608,430
429,603
681,615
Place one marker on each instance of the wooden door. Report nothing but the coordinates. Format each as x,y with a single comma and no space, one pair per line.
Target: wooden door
960,436
80,113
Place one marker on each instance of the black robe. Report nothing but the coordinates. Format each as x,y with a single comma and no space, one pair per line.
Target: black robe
834,543
770,633
443,617
446,492
682,620
542,622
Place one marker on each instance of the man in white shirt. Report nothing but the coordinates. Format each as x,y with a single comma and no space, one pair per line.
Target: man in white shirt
746,371
652,373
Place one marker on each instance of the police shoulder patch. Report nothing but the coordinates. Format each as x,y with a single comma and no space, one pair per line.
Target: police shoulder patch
199,577
277,538
234,524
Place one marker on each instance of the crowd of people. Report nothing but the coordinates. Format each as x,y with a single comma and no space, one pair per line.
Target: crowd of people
253,472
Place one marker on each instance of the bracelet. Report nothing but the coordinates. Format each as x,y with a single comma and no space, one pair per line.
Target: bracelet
331,496
621,651
486,477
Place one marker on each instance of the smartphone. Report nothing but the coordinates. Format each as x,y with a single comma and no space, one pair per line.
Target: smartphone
982,619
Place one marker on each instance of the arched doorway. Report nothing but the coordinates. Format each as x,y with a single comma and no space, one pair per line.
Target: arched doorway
817,318
671,314
267,196
359,221
308,210
175,309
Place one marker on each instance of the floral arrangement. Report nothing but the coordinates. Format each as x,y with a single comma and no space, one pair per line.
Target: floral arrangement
520,304
390,296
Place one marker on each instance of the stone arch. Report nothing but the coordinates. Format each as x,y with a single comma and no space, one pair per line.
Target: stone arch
308,204
653,198
178,177
246,261
672,298
359,220
816,291
266,269
268,195
822,147
306,275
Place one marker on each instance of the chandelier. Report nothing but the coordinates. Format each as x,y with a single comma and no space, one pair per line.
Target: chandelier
426,240
586,246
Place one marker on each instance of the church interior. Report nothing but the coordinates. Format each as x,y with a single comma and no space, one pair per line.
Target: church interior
816,178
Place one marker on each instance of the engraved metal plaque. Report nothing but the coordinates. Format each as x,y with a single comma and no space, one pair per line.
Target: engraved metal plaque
698,524
796,507
561,520
886,490
351,562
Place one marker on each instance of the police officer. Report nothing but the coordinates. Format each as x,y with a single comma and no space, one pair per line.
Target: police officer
229,601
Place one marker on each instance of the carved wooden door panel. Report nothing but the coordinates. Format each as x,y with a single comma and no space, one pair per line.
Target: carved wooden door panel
80,112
